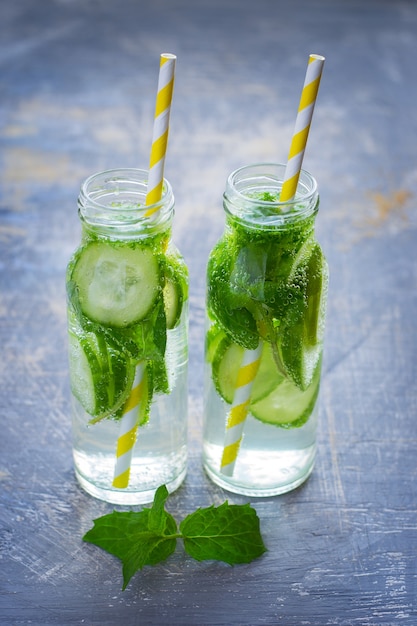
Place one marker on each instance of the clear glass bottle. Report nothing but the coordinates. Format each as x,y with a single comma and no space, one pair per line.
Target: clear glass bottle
127,293
267,283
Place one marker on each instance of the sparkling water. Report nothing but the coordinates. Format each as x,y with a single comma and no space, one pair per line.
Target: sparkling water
271,459
266,299
160,452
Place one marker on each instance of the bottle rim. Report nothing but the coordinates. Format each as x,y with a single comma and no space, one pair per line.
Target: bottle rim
246,185
116,199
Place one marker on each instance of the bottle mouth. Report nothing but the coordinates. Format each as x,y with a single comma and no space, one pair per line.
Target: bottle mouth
252,195
116,200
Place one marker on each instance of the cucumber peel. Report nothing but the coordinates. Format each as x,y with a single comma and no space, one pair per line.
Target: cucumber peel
299,342
101,377
174,290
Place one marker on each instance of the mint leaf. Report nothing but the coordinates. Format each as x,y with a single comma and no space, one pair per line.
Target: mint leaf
157,514
228,533
139,538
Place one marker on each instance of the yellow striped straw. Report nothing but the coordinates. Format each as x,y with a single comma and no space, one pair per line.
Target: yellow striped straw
302,126
160,130
251,358
127,432
239,410
129,421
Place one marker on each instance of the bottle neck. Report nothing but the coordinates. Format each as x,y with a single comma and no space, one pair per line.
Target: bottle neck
251,199
112,205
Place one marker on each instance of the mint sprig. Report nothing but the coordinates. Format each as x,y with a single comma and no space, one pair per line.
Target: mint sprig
228,533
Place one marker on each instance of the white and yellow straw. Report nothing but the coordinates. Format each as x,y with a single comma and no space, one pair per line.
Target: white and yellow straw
129,421
238,413
127,432
160,130
250,363
302,126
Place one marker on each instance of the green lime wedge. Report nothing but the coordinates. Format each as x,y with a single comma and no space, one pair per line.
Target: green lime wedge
225,368
287,406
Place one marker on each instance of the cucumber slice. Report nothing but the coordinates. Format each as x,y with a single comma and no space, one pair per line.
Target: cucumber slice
89,378
225,368
173,302
300,333
316,295
214,336
175,289
287,406
101,376
117,284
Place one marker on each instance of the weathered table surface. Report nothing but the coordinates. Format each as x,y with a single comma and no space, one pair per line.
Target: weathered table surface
77,89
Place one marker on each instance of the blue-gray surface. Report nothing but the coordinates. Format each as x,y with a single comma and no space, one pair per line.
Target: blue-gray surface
77,85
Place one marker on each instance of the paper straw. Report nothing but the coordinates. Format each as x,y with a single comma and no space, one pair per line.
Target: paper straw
238,413
127,432
160,130
302,126
129,421
251,358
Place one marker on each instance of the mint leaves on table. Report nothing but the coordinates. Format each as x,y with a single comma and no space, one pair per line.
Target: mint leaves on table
227,533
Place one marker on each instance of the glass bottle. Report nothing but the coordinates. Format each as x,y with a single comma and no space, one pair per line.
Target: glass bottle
267,283
127,293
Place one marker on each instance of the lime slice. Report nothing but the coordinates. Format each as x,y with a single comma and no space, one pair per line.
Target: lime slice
88,377
300,338
287,406
225,368
117,284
